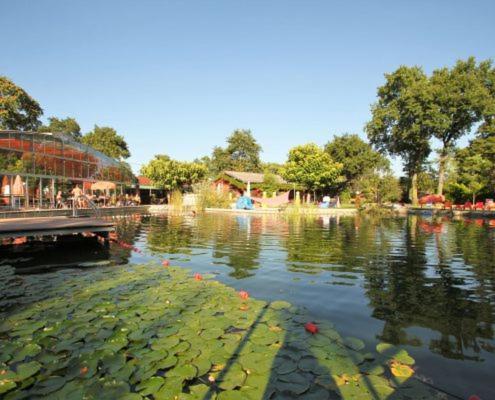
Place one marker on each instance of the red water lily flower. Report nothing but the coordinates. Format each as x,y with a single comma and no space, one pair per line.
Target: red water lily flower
165,263
198,277
243,295
311,328
474,397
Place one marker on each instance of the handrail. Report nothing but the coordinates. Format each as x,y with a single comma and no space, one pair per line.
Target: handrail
90,202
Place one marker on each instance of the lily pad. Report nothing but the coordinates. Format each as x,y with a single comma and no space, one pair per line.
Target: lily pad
27,370
185,372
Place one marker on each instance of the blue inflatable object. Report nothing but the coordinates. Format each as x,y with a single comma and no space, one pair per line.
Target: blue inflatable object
244,203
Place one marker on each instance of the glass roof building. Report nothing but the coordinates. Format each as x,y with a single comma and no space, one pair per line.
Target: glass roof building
49,162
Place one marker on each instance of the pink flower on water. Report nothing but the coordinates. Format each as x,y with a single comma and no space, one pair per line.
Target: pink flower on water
243,295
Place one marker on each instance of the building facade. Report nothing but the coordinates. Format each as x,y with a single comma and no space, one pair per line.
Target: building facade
35,166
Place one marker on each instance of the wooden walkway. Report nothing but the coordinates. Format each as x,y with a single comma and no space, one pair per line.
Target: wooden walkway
17,227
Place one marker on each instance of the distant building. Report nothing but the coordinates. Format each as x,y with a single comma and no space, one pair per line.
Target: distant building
239,182
149,193
34,166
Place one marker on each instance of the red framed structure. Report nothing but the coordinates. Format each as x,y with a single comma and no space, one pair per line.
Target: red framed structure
45,163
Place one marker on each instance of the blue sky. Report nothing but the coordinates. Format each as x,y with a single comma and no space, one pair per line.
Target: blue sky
177,77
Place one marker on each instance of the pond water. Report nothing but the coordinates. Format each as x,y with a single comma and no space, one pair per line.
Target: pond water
426,284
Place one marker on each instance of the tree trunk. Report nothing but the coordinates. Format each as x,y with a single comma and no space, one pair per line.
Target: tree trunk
474,199
441,171
414,189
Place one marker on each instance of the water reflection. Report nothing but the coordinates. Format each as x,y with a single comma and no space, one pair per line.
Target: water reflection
428,284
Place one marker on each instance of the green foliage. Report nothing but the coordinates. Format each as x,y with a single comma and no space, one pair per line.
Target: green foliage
172,174
241,154
312,167
176,199
145,330
270,183
208,197
473,175
356,156
403,120
461,98
18,110
271,167
67,125
379,188
106,140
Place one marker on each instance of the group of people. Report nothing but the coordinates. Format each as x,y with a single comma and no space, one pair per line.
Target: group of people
81,200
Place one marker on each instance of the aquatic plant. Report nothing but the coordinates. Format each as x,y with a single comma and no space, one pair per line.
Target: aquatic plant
144,331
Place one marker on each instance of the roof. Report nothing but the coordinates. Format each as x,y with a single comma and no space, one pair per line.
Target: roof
144,181
252,177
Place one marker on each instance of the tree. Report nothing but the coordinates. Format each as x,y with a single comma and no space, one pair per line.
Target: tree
378,188
312,167
402,120
67,125
270,182
106,140
172,174
475,168
471,178
18,110
241,154
460,96
220,160
356,156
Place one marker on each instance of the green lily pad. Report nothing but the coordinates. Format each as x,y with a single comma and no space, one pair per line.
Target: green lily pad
6,385
150,386
27,370
185,372
29,350
279,305
294,383
234,377
354,343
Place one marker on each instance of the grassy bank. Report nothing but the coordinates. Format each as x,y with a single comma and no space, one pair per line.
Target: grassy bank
146,331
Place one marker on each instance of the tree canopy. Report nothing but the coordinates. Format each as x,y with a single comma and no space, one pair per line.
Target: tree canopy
172,174
356,156
66,125
106,140
403,120
460,98
241,154
311,166
18,110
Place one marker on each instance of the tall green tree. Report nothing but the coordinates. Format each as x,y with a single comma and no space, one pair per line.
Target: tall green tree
356,156
460,96
377,187
475,169
106,140
18,110
311,166
403,119
241,154
66,125
172,174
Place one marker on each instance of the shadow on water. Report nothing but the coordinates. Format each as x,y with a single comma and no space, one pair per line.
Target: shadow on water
427,284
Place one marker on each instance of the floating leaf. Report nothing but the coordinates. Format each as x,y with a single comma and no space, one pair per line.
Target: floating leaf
354,343
401,370
184,372
27,370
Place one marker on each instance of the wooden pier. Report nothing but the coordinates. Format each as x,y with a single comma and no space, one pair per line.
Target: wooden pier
53,226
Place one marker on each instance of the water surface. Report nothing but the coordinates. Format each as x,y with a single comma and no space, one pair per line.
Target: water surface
426,284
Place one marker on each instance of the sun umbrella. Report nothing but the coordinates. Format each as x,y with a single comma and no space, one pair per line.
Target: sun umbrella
18,187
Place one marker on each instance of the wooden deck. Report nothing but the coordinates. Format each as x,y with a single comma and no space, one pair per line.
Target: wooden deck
17,227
